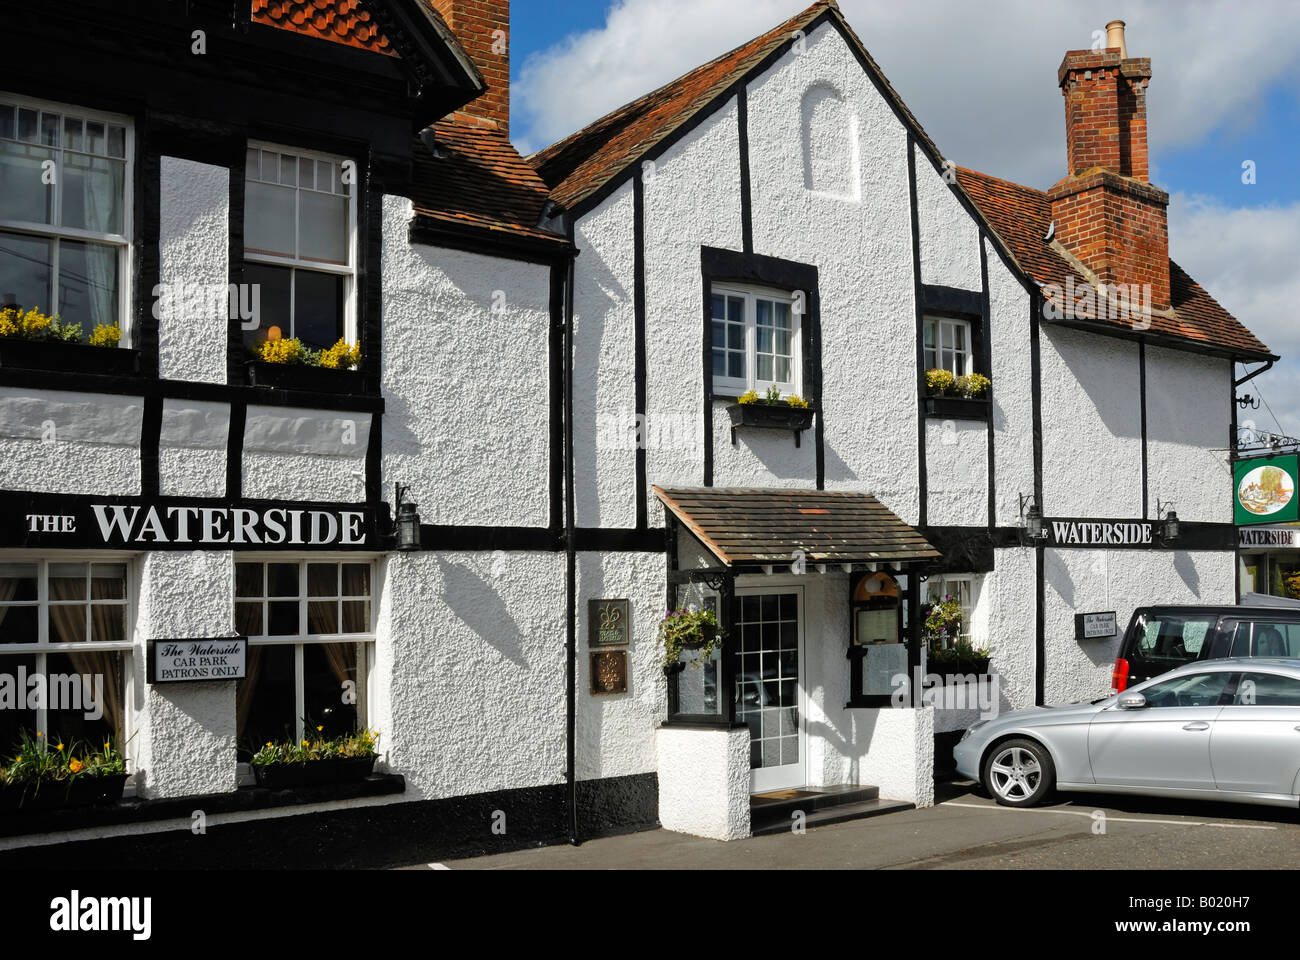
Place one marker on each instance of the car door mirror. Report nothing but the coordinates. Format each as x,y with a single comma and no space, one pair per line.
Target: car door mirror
1131,701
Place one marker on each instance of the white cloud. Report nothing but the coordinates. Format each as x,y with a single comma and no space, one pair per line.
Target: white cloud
1245,258
643,45
981,78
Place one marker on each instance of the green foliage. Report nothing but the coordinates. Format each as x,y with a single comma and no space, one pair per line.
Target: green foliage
360,744
973,386
941,622
772,398
36,761
961,657
939,383
689,628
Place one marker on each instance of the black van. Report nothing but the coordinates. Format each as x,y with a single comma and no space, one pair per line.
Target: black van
1161,638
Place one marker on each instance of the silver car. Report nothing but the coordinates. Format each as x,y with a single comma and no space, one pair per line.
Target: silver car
1212,730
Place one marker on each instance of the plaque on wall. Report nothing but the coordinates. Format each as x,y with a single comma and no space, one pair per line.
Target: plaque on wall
609,672
1092,626
189,661
609,622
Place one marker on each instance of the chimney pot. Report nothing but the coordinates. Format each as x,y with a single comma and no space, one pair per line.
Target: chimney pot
1115,37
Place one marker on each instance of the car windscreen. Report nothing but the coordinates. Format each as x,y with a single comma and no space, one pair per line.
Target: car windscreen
1165,641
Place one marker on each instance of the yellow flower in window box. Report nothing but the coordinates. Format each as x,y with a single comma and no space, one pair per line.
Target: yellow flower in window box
341,356
106,335
797,401
749,396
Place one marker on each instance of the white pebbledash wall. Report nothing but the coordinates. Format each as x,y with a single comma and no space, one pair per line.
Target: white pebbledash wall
468,679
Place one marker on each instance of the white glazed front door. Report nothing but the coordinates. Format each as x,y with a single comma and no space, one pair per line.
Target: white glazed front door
767,639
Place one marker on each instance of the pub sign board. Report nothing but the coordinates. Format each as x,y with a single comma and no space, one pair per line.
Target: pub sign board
1094,626
197,660
1100,533
171,523
1264,490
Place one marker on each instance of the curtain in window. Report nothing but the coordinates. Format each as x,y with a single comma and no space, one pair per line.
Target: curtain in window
8,587
246,689
101,284
105,663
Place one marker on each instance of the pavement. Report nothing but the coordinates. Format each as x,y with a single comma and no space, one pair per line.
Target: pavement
963,831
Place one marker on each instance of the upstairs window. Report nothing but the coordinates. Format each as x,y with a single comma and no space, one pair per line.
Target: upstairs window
948,346
300,246
755,336
65,210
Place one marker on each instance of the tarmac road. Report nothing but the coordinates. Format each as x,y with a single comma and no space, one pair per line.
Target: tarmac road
965,830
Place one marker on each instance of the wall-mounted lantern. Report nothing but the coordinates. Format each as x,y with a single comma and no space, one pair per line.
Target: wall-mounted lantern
1033,527
408,521
1167,520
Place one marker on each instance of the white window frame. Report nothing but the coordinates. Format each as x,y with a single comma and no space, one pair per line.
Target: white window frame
972,582
348,272
302,638
725,385
944,325
53,231
43,645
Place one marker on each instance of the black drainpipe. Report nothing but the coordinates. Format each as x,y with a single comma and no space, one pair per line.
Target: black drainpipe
570,556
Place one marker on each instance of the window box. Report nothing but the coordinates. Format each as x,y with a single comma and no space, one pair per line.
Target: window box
965,666
281,776
62,355
81,792
297,376
957,408
774,416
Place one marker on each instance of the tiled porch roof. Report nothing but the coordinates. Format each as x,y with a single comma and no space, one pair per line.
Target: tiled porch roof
767,526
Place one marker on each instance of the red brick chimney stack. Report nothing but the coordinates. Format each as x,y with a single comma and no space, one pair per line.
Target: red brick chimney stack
1107,213
483,29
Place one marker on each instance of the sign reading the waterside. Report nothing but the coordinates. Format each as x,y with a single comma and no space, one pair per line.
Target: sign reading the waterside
188,661
1091,626
1264,490
40,520
1102,533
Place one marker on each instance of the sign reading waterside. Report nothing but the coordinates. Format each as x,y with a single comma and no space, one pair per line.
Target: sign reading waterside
161,524
1109,533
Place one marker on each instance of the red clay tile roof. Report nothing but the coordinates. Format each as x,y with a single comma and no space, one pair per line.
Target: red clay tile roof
1021,216
579,165
340,21
481,182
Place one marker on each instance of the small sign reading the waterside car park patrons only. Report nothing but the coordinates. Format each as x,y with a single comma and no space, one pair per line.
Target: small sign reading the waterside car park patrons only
1092,626
188,661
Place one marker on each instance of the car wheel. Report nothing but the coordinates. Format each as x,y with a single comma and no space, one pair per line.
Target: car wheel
1019,773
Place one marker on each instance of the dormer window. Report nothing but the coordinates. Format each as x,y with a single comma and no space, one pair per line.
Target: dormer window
756,341
300,246
948,345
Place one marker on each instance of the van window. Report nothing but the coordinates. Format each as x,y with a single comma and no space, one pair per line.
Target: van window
1276,638
1171,640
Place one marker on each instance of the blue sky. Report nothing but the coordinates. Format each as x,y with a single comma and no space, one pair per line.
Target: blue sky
981,78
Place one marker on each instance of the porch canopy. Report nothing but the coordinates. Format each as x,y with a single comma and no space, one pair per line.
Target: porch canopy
764,527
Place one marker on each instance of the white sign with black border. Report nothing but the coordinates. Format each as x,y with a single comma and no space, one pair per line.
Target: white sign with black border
1094,626
198,660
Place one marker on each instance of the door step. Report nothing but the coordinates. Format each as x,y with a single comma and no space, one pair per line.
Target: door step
774,812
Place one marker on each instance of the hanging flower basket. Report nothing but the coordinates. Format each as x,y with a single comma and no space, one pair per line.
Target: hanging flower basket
689,629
